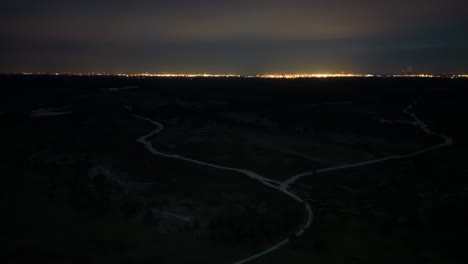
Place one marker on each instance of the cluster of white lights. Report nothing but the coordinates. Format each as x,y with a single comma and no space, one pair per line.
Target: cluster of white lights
261,76
181,75
419,75
316,75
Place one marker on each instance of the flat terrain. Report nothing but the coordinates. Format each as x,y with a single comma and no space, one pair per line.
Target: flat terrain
79,188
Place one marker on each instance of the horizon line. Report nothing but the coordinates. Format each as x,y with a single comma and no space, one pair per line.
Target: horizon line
259,76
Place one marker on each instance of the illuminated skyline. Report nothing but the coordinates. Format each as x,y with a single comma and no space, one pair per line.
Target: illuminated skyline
259,76
244,37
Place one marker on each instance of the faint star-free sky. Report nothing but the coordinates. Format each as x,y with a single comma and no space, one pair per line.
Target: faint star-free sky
240,36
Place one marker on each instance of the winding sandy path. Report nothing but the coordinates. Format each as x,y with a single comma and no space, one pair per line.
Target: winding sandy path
284,186
416,122
121,88
49,112
263,180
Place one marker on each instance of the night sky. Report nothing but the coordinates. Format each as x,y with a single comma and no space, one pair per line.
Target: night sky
242,36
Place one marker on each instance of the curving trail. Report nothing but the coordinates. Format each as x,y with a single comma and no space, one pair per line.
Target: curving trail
284,186
416,122
263,180
121,88
49,112
181,218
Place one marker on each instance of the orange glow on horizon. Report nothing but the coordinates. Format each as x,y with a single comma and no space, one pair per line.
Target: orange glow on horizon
260,76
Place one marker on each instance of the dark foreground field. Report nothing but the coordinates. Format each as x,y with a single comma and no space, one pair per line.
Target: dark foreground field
78,188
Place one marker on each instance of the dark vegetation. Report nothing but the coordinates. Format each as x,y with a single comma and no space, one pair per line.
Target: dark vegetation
78,188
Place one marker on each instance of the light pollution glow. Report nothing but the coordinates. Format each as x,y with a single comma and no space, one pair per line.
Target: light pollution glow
259,76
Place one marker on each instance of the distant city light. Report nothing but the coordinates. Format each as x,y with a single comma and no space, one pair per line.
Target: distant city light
317,75
260,76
